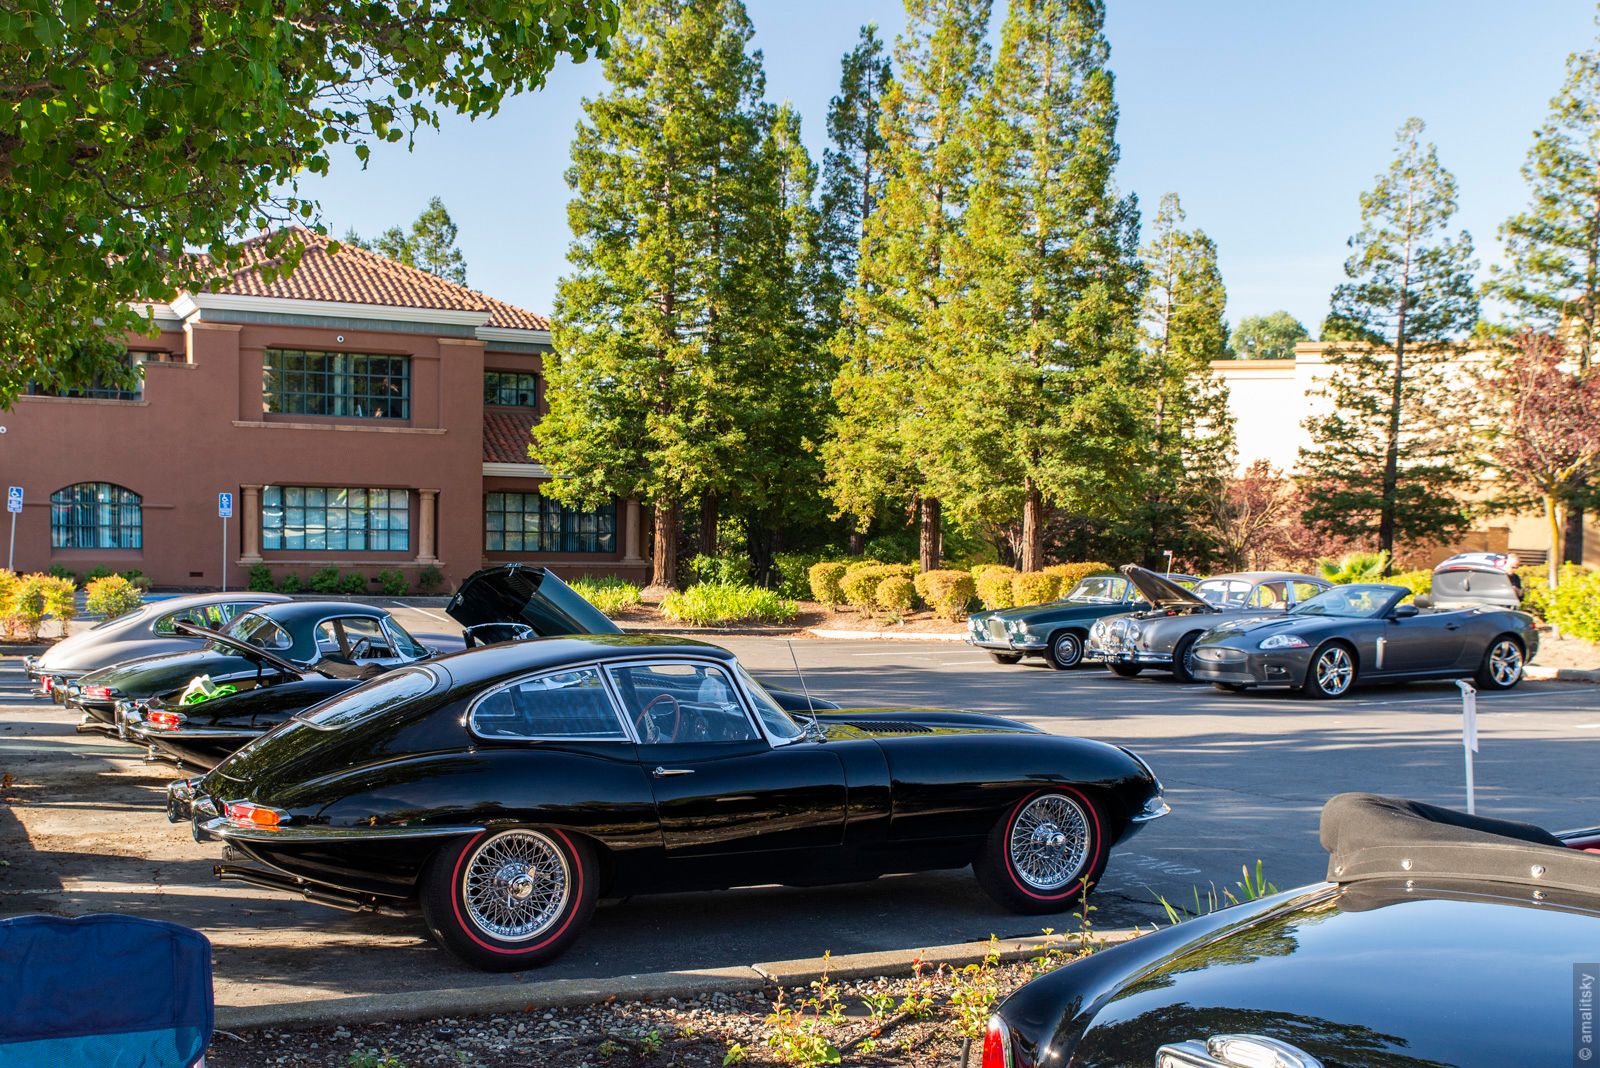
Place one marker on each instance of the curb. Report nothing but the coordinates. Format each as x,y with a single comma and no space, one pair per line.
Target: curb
1536,673
878,635
519,996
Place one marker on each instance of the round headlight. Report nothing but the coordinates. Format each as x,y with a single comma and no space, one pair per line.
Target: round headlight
1134,630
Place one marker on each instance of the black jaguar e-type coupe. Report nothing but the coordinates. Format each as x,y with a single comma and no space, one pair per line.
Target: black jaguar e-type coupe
1440,939
504,788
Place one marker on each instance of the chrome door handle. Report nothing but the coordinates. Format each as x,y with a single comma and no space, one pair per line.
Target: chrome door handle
1452,626
662,773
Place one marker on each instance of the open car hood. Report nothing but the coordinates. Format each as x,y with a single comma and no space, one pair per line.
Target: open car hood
1160,591
244,649
527,595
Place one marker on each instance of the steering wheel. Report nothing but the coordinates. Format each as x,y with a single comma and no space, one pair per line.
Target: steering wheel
362,647
646,724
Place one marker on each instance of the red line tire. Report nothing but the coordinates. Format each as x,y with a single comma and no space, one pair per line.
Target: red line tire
1045,850
510,899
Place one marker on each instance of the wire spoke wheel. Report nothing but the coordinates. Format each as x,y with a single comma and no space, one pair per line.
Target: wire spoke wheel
515,885
1334,671
1050,842
1505,663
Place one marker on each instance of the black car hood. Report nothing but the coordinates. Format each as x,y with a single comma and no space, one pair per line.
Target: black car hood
531,595
1160,591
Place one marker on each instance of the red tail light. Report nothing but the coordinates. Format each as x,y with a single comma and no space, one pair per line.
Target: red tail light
49,682
255,815
997,1044
100,693
166,720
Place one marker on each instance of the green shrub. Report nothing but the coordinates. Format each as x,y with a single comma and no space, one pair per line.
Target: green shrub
26,606
112,596
429,579
1034,587
140,580
60,599
392,581
948,593
1354,567
1418,581
611,595
896,594
794,573
290,584
260,579
993,584
861,581
725,568
1536,598
708,604
824,578
99,571
57,571
325,580
1575,604
1071,574
353,583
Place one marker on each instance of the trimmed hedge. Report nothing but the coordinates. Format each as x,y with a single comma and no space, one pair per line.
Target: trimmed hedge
861,581
1069,574
825,578
1418,581
897,593
1034,587
112,596
948,593
993,584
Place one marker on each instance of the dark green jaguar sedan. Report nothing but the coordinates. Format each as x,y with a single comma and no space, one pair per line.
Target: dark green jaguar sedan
1056,630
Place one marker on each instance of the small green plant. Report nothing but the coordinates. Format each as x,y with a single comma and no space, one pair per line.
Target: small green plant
429,579
260,580
974,990
392,581
736,1054
371,1058
353,583
325,580
650,1044
798,1030
608,1049
918,1000
112,596
610,595
290,584
714,604
1252,887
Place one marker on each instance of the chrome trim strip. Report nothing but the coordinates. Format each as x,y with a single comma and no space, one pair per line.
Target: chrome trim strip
157,734
1152,812
220,827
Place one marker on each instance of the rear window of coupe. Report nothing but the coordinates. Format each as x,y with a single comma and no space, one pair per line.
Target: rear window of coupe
370,699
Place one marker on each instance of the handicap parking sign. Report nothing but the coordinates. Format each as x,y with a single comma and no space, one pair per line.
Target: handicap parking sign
224,505
14,499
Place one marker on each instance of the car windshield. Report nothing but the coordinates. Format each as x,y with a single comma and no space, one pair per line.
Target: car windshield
1224,593
256,630
776,720
1355,602
1100,589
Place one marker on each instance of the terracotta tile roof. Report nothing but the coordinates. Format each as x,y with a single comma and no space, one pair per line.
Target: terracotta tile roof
506,437
356,276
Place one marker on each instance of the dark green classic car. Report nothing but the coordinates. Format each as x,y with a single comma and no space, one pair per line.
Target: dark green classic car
1057,629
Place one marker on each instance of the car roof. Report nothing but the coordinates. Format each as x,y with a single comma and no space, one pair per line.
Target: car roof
537,654
196,600
1270,576
291,612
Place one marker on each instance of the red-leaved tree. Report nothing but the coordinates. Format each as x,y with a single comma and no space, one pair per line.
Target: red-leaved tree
1544,440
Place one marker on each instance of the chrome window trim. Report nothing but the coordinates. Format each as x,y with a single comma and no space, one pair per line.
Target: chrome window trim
389,625
745,701
628,738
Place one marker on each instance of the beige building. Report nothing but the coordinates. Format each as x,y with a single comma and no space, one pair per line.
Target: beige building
1270,401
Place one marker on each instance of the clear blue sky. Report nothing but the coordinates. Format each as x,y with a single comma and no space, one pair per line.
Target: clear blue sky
1267,117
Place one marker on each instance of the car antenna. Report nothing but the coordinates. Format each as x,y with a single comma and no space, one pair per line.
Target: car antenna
816,725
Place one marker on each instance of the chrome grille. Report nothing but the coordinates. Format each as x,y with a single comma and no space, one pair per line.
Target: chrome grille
997,629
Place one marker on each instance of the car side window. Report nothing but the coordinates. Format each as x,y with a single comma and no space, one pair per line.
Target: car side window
1304,591
564,706
1270,595
680,702
364,638
327,636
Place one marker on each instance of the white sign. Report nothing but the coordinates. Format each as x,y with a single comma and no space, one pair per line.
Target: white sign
224,506
14,499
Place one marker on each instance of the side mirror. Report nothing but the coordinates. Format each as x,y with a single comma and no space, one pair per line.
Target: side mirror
1403,611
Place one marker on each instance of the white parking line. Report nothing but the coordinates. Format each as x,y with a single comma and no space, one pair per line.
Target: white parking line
446,620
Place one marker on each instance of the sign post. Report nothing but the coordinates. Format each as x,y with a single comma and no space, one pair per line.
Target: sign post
13,505
1168,554
1469,736
225,512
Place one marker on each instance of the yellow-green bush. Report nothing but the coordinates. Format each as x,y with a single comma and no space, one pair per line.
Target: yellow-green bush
715,604
1069,574
825,578
897,593
610,594
1418,581
1575,604
993,583
1034,587
112,596
861,581
948,593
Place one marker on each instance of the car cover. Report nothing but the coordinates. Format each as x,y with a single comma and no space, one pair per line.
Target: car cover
103,991
532,596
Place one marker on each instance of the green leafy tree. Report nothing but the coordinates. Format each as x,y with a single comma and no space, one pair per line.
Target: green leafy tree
852,164
132,135
1182,331
430,246
1268,337
893,331
1388,460
1551,279
1033,406
663,322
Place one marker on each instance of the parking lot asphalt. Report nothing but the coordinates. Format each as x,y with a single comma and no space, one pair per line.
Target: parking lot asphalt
82,827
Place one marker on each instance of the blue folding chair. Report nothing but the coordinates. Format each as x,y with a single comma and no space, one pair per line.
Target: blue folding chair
103,991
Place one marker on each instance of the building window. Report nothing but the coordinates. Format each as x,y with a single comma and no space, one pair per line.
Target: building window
317,518
510,389
96,515
344,384
532,523
98,389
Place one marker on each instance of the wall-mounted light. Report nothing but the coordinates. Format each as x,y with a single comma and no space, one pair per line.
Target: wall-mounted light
340,339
